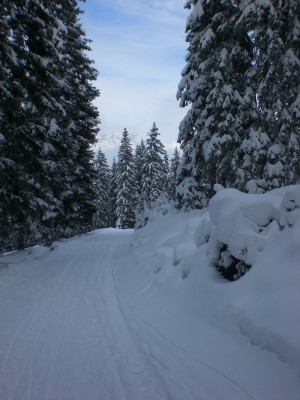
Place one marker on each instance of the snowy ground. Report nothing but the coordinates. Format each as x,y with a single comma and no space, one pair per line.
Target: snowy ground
145,316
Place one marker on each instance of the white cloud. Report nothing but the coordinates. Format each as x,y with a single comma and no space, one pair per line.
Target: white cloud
166,11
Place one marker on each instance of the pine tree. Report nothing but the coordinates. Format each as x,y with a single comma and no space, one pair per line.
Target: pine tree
139,160
126,185
30,122
166,174
175,163
154,171
102,183
113,187
50,120
81,123
289,90
215,83
273,143
10,93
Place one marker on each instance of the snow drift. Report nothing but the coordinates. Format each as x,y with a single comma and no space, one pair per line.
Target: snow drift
237,231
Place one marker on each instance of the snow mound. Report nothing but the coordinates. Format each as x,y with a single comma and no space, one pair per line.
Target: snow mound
242,225
236,232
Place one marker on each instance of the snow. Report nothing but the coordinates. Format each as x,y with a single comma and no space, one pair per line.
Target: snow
123,314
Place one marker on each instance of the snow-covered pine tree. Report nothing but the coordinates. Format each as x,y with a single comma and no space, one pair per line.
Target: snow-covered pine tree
10,93
35,78
81,122
289,103
154,178
215,84
50,119
139,160
102,184
175,163
127,190
154,171
273,143
113,194
166,176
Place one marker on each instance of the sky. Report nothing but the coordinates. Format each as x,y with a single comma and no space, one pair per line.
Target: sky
139,50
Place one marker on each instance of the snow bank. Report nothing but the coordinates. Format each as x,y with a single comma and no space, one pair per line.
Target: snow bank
183,251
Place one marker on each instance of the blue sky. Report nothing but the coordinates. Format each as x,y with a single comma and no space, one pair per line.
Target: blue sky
139,49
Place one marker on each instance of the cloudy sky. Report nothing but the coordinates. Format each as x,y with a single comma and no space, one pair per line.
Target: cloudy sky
139,49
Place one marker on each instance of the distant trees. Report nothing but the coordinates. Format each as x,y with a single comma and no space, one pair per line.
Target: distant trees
242,82
47,123
134,183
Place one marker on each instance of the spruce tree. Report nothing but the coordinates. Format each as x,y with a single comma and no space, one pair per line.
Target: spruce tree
215,84
81,122
102,184
166,174
50,120
139,160
10,93
273,143
289,90
31,125
113,194
154,171
175,163
126,185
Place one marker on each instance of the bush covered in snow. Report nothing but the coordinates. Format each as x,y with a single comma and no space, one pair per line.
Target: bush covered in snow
162,205
242,225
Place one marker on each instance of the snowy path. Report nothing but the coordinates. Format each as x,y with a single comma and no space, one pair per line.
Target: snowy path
70,341
68,333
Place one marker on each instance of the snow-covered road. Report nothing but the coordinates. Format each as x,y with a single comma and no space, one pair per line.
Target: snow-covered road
65,337
68,333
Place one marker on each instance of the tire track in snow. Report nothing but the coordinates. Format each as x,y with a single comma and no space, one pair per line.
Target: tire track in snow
169,343
23,346
26,320
138,377
34,320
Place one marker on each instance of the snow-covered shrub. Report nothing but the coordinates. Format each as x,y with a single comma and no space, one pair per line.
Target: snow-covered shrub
230,267
161,206
241,225
142,214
